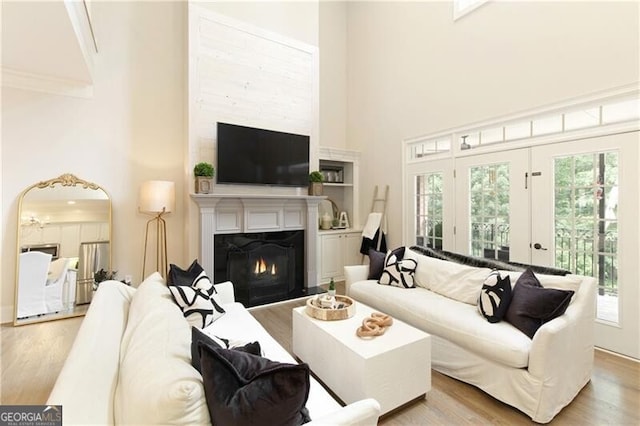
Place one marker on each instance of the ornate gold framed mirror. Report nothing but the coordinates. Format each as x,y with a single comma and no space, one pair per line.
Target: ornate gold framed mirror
64,237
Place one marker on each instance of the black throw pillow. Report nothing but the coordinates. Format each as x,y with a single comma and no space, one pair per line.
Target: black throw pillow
495,297
533,305
198,338
376,264
244,389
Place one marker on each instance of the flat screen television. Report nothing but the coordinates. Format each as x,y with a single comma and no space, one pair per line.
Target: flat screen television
247,155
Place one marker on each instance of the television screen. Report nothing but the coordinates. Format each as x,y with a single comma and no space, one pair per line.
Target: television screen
247,155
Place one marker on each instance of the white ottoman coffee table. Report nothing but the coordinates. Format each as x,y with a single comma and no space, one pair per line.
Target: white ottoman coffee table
394,368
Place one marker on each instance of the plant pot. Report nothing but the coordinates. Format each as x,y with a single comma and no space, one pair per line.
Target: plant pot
204,185
315,188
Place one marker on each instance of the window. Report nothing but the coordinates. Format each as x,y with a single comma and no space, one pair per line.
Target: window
462,7
428,196
625,110
546,125
582,118
620,109
489,205
586,223
424,148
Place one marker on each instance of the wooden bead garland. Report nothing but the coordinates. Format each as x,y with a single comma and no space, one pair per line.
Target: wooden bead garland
374,325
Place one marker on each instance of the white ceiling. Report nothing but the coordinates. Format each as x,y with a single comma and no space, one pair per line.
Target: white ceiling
39,38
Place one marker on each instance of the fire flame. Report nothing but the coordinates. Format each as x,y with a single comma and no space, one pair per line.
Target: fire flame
261,267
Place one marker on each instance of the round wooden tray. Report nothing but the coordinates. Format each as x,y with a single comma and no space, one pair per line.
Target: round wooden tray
327,314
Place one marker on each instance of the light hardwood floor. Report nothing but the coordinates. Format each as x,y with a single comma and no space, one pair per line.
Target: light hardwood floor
32,356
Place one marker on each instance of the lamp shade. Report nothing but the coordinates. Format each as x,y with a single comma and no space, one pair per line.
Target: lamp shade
157,196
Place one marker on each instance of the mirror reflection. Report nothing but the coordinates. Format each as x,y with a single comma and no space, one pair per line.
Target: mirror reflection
64,233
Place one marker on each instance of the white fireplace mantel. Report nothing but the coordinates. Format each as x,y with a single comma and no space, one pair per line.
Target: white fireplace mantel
249,213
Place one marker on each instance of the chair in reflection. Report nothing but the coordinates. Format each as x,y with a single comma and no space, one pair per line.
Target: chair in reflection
34,267
54,286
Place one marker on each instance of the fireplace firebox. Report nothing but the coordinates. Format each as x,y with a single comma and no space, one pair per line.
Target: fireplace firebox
264,267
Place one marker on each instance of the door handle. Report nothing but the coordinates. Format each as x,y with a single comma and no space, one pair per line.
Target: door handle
538,246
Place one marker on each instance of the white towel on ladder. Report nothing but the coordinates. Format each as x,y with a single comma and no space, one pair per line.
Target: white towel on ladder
372,225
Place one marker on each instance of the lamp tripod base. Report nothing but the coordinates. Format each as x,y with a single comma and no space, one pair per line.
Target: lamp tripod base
161,245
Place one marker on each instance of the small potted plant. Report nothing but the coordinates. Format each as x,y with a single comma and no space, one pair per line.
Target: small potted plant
103,275
204,177
315,183
332,288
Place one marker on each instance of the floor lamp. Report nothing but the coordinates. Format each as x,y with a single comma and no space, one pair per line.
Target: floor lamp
157,197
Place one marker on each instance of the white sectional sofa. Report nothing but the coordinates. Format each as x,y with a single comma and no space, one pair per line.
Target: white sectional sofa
131,362
538,376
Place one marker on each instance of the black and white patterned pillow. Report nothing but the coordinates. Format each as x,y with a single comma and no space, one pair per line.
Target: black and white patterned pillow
495,297
195,294
397,271
179,276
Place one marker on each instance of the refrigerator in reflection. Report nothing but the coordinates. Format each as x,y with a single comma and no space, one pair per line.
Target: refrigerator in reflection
93,256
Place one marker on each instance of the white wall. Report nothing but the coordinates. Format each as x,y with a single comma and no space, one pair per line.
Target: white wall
132,130
413,71
294,19
322,24
333,74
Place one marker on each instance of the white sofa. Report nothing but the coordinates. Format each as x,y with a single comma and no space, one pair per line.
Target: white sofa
131,362
538,376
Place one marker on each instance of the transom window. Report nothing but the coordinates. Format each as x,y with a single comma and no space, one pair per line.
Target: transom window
462,7
609,111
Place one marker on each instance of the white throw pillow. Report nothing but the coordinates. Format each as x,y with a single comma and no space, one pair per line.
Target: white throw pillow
456,281
420,278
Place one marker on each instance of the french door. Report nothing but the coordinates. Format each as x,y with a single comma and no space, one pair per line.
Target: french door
492,212
571,205
584,196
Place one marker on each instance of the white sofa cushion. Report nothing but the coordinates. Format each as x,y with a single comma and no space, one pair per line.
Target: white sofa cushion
157,384
566,282
461,323
87,384
421,278
456,281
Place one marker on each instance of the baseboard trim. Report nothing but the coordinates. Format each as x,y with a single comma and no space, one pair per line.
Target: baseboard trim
617,354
